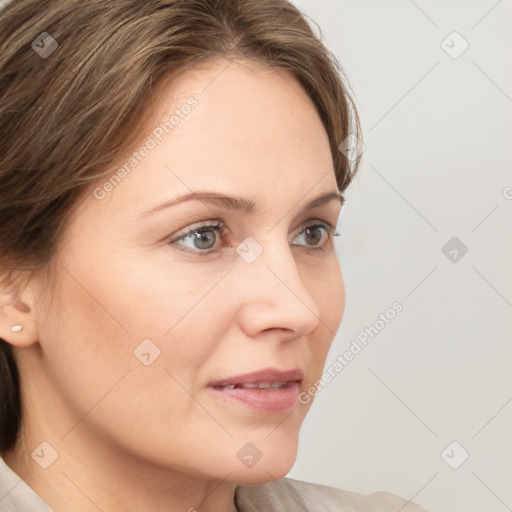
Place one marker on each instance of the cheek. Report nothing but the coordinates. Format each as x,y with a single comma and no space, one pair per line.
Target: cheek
108,311
337,306
85,348
95,379
328,289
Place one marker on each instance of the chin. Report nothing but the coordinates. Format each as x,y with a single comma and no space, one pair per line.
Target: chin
273,464
261,475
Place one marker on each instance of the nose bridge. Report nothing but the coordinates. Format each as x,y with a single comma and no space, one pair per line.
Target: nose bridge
273,289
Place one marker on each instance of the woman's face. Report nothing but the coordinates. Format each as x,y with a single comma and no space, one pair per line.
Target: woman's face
150,314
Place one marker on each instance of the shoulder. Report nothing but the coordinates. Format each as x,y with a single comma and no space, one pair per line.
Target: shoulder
16,495
286,494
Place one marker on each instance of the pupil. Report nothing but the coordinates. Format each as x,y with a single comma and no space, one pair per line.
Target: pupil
202,238
316,239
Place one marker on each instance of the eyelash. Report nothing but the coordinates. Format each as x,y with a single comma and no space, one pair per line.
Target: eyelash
220,228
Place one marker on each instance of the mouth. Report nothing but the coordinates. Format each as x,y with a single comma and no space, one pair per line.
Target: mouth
264,391
257,385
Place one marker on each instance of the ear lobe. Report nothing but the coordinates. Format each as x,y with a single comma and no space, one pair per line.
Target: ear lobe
14,312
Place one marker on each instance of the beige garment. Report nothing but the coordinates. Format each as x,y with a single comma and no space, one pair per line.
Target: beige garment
283,495
287,495
16,495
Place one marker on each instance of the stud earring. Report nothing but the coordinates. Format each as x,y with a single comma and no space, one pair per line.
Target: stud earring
16,328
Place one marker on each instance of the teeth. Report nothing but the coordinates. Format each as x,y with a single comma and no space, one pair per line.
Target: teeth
259,385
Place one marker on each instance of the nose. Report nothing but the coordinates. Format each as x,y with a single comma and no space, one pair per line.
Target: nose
274,296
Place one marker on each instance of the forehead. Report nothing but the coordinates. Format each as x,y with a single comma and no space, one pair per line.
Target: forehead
238,126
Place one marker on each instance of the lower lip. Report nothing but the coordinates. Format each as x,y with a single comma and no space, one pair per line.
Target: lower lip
265,400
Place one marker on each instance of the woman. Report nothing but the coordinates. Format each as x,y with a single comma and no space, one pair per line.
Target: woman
170,185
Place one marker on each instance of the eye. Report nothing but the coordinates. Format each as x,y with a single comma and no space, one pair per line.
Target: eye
314,233
202,237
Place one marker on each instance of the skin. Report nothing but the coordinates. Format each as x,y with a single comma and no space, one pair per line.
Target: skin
132,437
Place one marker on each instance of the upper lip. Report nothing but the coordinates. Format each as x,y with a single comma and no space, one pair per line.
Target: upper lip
265,375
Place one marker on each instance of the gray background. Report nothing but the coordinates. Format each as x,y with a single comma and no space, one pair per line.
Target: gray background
438,131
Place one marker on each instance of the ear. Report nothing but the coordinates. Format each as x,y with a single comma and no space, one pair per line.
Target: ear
16,309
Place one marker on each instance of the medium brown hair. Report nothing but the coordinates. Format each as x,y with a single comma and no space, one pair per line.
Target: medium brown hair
66,117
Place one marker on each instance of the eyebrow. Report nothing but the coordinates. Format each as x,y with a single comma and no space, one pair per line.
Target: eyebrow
237,203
